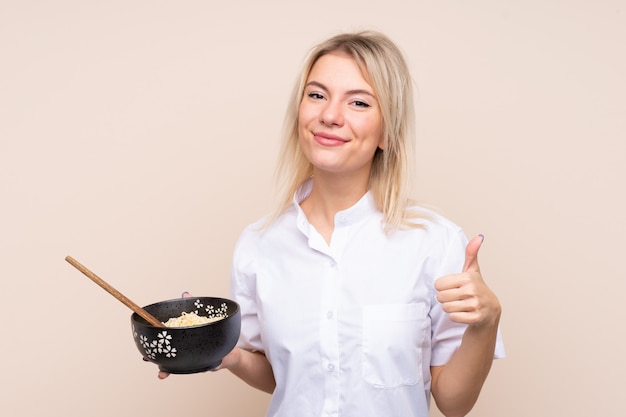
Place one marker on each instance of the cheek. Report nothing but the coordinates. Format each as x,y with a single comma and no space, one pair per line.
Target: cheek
374,132
304,114
306,121
378,128
300,120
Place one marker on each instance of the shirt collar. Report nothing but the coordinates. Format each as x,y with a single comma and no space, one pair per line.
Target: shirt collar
365,207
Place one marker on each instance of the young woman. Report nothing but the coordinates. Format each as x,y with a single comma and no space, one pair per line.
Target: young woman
355,301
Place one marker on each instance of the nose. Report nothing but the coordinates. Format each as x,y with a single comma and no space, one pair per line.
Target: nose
332,114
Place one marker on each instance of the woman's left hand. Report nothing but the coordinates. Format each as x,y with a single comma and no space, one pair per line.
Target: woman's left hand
465,296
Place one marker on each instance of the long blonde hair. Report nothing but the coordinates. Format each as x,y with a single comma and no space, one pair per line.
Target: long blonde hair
392,173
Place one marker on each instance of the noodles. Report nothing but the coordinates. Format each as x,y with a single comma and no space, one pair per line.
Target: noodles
190,319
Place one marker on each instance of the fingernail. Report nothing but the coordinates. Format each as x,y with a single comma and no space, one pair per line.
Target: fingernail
482,237
184,294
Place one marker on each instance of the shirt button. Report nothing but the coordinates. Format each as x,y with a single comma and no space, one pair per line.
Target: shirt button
331,367
342,219
332,264
329,315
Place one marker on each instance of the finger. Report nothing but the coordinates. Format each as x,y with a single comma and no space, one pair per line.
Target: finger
471,253
458,306
466,317
163,375
186,294
451,294
216,368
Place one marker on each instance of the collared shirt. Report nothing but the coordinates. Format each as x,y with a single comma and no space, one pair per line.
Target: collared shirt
350,328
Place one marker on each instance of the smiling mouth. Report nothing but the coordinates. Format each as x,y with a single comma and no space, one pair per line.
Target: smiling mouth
329,140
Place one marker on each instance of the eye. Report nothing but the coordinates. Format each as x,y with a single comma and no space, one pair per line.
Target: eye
359,103
315,96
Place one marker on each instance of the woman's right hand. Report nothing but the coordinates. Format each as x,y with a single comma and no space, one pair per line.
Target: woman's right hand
230,359
251,366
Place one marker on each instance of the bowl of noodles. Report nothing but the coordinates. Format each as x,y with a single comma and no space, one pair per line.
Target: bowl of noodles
198,333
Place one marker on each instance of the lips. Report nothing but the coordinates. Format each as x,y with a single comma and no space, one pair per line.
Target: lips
328,139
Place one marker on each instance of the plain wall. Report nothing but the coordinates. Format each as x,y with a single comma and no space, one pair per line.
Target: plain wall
140,137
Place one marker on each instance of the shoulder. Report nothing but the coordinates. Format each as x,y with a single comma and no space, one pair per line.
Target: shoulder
434,233
422,217
249,237
258,234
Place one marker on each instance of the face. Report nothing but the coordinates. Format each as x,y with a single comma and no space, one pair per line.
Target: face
339,120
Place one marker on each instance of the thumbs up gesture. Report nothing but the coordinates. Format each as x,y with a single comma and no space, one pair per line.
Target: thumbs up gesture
465,296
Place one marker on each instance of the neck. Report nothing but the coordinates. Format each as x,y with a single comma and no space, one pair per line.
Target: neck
331,194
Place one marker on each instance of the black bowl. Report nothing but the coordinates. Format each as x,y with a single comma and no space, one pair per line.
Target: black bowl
187,350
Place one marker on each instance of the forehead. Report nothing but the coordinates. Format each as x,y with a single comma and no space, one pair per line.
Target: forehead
338,67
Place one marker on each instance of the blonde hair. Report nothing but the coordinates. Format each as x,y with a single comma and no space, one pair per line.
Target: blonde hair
392,173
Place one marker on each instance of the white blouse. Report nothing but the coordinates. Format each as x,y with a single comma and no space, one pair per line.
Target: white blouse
351,328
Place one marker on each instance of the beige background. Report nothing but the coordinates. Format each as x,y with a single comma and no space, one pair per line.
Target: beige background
140,137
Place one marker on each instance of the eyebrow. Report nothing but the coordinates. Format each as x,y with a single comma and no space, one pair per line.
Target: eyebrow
349,92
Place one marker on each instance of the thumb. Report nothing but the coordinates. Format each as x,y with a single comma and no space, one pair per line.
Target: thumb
471,252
